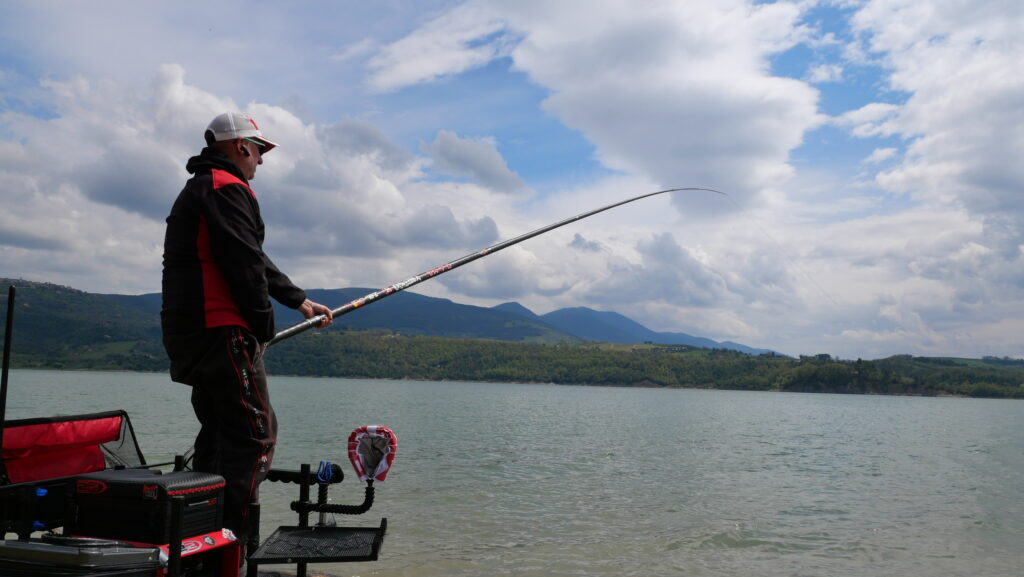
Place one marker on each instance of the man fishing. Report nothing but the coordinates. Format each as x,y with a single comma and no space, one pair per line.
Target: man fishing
217,285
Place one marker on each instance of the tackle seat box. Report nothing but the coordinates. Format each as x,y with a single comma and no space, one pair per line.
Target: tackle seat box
135,504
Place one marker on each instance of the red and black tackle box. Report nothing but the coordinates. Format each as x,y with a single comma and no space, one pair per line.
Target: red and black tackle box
135,504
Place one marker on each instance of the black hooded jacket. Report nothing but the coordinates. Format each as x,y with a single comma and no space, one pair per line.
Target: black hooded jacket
215,273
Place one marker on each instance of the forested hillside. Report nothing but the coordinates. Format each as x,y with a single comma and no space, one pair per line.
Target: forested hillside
381,355
63,328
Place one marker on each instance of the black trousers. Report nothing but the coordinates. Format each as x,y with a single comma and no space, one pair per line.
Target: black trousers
238,428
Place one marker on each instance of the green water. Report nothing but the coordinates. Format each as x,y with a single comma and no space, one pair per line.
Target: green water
501,479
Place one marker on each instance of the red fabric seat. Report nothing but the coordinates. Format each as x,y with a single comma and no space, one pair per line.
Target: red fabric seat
41,449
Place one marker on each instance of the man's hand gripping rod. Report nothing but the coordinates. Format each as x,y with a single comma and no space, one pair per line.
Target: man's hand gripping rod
388,291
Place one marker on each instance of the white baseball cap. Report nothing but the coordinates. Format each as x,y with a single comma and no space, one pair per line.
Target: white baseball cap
232,125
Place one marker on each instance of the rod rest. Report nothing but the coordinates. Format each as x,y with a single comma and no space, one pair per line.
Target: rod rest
301,507
311,478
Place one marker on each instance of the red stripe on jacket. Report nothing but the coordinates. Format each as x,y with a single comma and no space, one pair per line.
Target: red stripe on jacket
222,178
220,307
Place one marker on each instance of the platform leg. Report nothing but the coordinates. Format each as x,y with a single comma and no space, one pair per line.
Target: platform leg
253,541
300,567
174,543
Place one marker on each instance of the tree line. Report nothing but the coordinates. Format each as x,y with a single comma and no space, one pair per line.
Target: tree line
63,328
384,355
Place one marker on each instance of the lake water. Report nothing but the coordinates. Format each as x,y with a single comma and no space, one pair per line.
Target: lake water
537,480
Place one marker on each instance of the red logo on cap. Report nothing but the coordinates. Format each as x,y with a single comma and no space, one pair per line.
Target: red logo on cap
253,123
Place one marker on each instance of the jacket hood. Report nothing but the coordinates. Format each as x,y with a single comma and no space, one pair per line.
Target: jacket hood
211,158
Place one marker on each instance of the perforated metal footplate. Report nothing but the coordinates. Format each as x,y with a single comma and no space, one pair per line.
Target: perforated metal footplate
321,545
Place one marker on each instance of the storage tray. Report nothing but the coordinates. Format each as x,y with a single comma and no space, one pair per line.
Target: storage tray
67,557
321,545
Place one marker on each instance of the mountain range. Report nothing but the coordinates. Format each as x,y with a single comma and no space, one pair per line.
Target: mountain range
413,313
57,312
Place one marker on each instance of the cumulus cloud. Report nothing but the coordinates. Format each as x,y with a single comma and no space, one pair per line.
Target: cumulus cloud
16,233
474,158
516,273
914,245
869,120
825,73
677,91
880,155
436,226
667,273
580,243
126,174
962,63
360,138
327,190
467,37
355,50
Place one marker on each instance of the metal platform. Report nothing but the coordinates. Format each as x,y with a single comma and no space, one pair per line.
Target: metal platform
293,545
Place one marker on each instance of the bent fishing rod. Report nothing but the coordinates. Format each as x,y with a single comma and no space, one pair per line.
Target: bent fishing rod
436,271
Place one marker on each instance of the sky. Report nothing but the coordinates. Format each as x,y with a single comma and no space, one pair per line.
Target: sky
869,152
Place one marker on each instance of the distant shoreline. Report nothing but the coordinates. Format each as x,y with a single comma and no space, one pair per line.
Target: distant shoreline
648,385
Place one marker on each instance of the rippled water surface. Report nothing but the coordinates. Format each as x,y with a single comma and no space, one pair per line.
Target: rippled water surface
501,479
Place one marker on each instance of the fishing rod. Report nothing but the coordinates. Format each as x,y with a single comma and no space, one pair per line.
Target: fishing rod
436,271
